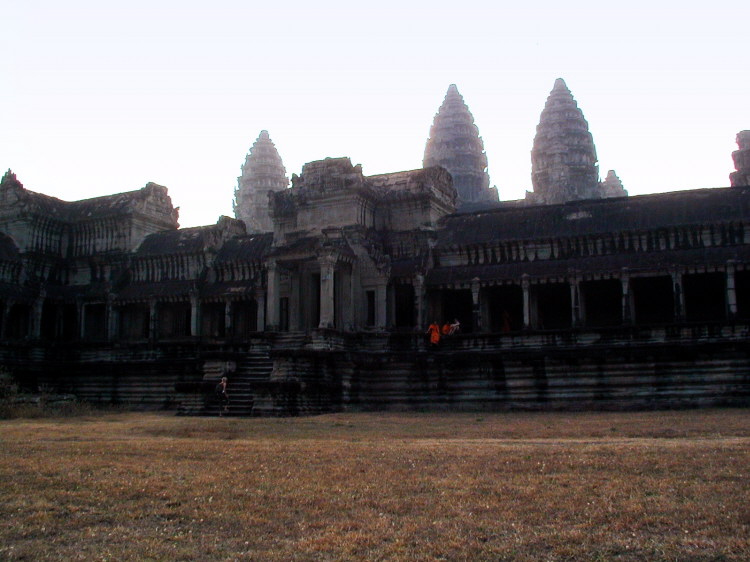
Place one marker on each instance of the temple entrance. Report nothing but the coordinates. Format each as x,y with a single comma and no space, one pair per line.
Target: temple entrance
213,320
18,322
95,322
653,300
705,296
457,304
504,308
742,290
134,322
174,320
602,302
245,318
49,321
404,303
553,307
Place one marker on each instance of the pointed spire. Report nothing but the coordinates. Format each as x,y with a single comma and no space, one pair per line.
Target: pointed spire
563,158
612,186
262,172
455,145
9,179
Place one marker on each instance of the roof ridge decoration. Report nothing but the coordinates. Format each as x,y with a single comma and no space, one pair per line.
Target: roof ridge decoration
455,144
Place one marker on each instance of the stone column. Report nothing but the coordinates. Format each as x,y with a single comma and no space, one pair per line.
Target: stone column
679,297
110,318
228,319
6,313
731,291
35,322
381,296
419,300
195,316
81,315
476,317
260,312
627,317
272,313
152,320
327,291
575,301
526,302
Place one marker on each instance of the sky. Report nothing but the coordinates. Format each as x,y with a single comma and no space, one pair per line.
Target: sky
98,99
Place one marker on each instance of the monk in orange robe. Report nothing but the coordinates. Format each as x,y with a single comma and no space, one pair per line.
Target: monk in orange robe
434,332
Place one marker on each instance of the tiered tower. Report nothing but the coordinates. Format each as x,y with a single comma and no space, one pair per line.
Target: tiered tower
455,145
741,159
612,186
262,172
563,158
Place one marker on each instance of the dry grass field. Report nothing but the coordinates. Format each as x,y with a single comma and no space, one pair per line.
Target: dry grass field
516,486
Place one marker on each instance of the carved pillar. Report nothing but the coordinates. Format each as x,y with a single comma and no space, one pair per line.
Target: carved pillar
272,312
575,301
110,318
228,319
152,320
327,288
419,300
35,322
679,297
81,316
731,291
476,317
195,314
526,301
381,299
260,313
6,313
627,317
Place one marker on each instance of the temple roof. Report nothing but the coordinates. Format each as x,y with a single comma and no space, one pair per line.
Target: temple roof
576,218
245,248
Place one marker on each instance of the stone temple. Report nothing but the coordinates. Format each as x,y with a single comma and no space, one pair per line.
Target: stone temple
316,297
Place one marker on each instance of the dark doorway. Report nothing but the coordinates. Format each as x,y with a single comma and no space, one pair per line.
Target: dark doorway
213,320
370,314
134,322
742,290
49,321
95,322
245,318
705,296
458,304
18,322
505,308
553,309
602,302
174,320
404,301
653,300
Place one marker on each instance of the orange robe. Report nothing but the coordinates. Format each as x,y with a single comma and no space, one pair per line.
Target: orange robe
434,331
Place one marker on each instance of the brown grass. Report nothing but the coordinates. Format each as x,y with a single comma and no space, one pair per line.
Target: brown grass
517,486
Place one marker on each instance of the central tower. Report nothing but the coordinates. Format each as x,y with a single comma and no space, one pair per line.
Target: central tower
455,145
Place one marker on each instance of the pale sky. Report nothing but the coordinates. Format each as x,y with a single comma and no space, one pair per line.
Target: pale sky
97,98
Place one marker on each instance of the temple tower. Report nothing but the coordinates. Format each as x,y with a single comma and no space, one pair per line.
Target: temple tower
455,145
612,186
262,172
741,159
563,158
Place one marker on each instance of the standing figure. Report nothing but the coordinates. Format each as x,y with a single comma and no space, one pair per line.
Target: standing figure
434,332
455,327
223,397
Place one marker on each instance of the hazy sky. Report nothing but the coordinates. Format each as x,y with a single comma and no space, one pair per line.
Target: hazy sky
98,99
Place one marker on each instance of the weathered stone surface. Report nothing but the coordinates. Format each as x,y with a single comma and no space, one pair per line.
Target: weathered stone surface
612,186
262,172
741,159
598,302
455,145
563,158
